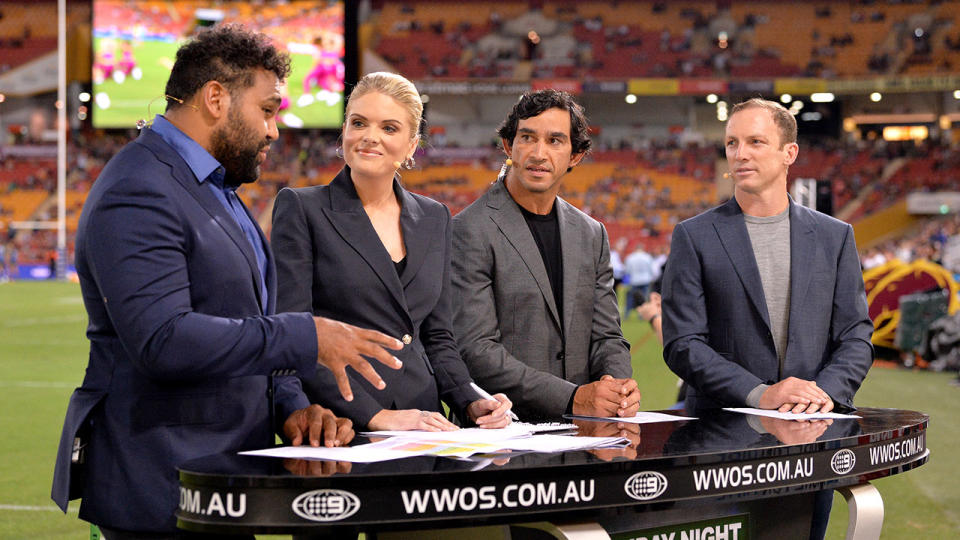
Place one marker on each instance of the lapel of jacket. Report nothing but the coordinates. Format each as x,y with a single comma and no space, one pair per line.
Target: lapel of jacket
803,261
420,232
732,230
506,214
571,252
348,217
208,201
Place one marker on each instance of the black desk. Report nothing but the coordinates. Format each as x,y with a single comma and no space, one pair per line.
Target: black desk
684,472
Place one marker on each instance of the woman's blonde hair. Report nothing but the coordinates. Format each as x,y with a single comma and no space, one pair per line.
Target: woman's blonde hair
399,88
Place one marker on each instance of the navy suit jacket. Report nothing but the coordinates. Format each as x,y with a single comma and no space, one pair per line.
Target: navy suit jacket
331,262
716,327
180,348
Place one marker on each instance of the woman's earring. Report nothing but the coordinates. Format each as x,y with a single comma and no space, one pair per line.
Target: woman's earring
409,163
339,152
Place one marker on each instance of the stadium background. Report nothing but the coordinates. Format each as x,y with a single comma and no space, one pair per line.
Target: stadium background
656,79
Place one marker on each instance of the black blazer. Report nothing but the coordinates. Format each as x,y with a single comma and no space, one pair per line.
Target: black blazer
331,262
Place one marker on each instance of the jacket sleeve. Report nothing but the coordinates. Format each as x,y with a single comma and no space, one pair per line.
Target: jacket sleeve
609,351
436,332
686,329
291,238
139,260
293,251
850,330
476,326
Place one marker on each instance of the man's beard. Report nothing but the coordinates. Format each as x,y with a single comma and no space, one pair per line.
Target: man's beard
237,148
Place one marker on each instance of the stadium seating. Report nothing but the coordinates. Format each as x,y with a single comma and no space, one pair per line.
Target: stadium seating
673,39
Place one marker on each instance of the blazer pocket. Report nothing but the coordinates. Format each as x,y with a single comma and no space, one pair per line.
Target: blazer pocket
176,410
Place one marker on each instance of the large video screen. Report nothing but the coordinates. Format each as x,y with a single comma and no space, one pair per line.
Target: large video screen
135,44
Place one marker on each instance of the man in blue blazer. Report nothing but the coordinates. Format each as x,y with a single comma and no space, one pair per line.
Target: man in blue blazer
186,354
763,299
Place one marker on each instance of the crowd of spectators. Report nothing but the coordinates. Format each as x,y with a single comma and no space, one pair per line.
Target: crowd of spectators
594,40
925,241
644,192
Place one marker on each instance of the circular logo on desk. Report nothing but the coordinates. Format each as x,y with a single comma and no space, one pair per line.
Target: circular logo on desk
326,505
645,485
843,461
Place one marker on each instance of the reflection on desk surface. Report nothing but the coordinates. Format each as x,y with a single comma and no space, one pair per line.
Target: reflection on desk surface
714,431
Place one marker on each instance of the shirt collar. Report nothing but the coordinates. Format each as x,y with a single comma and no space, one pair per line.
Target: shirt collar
198,159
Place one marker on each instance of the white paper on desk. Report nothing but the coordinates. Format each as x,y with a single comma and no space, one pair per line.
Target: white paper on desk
789,415
353,454
461,435
642,417
563,443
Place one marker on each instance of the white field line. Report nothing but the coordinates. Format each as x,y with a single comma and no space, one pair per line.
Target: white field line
37,321
24,508
37,384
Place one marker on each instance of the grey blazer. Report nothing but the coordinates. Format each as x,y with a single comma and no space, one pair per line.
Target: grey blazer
716,328
505,317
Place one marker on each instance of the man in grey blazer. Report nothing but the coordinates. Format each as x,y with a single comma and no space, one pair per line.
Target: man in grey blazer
763,299
535,313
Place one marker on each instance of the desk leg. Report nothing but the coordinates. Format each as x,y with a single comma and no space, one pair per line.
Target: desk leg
866,511
570,531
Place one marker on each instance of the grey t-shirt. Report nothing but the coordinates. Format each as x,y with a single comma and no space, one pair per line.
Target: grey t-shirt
770,239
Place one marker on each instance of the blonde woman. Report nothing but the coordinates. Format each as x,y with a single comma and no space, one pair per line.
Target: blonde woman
365,251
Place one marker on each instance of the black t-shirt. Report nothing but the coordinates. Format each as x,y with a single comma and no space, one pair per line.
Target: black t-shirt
546,233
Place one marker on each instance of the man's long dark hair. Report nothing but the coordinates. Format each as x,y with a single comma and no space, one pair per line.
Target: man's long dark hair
227,54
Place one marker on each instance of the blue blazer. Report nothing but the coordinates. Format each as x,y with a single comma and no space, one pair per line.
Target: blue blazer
180,348
331,262
716,328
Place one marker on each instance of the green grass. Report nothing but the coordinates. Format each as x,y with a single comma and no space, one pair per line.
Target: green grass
43,355
131,99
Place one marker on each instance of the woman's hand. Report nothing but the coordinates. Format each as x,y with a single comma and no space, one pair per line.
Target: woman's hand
490,414
410,420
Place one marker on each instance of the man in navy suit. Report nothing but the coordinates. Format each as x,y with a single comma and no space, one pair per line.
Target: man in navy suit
187,357
763,299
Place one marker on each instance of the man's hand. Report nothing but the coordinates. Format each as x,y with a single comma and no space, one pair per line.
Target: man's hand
316,467
628,431
607,397
795,431
409,420
795,394
650,308
318,425
489,413
809,408
340,345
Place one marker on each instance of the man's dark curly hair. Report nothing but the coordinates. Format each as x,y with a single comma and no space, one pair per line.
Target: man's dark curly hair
532,104
227,54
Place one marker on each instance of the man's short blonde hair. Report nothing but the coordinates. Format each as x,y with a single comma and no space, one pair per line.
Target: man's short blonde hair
785,121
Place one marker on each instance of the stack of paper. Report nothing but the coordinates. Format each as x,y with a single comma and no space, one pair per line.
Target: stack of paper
455,444
642,417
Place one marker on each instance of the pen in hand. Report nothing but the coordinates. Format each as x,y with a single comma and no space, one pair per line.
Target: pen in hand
486,395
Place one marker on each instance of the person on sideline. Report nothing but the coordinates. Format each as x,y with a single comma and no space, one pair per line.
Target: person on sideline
187,357
640,272
535,312
366,251
763,299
